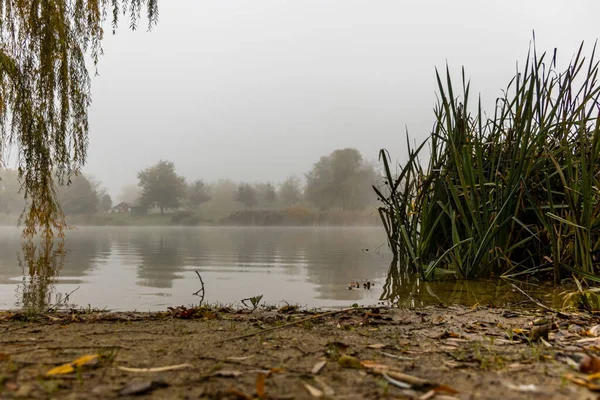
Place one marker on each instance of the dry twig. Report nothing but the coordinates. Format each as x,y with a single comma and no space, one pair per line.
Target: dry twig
200,292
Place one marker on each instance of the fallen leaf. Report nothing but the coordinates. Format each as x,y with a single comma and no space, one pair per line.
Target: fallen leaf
70,367
399,357
542,321
593,377
587,340
137,388
156,369
227,373
428,395
517,366
240,358
6,315
595,330
318,367
583,382
314,392
401,385
572,362
85,360
452,364
589,364
377,346
593,387
444,389
405,378
522,388
327,390
181,312
288,309
369,364
260,384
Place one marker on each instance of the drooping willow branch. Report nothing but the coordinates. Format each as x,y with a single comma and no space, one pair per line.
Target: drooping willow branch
45,92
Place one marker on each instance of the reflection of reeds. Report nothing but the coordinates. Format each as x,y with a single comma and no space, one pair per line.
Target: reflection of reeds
40,266
410,290
509,194
401,288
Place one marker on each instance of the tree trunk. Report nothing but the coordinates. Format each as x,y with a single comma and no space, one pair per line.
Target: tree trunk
162,211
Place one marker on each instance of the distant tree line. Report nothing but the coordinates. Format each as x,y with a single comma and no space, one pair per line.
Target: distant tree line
160,187
82,195
340,180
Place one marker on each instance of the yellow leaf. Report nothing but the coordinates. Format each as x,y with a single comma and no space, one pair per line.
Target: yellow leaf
60,370
70,367
593,377
85,360
576,380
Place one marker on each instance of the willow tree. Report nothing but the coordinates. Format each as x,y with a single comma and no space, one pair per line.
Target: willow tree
45,91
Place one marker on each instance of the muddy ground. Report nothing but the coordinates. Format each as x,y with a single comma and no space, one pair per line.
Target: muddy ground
461,353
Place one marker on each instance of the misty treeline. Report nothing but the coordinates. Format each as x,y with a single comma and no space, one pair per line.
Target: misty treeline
83,195
339,181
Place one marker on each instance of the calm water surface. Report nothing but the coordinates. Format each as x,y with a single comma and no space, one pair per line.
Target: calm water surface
149,268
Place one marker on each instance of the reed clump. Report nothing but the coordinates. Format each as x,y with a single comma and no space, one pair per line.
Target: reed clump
508,193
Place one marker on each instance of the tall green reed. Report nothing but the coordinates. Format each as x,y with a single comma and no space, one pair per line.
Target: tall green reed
512,193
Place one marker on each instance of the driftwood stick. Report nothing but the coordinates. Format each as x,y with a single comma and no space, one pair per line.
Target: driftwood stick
201,291
312,317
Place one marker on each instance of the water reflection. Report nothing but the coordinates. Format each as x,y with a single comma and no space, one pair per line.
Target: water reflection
150,268
40,265
161,259
410,290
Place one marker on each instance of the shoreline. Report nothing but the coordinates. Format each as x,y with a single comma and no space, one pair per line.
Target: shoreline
291,217
205,225
458,352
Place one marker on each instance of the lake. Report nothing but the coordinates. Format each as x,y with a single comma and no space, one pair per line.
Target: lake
151,268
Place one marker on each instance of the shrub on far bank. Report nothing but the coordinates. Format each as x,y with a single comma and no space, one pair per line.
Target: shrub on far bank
300,216
185,217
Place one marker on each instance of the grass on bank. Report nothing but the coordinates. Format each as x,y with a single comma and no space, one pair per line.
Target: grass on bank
507,193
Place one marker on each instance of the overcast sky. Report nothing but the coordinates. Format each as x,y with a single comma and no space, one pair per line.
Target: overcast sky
256,90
